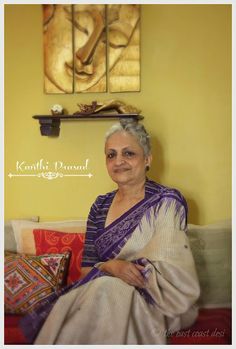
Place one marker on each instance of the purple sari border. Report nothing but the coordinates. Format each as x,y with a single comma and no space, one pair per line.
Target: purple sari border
124,215
109,244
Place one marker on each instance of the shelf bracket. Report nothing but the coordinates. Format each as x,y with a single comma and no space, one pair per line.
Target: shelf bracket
50,127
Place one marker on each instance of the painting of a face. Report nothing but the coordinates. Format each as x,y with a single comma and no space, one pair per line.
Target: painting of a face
124,53
90,48
58,52
75,47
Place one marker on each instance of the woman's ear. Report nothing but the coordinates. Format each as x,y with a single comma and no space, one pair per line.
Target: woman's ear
149,160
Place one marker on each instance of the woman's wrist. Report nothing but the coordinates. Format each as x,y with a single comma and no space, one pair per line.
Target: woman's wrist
98,265
104,266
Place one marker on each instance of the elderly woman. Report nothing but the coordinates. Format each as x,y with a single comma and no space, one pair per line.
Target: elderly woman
139,281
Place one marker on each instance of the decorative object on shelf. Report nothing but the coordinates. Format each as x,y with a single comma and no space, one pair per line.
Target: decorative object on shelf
86,109
111,106
117,106
57,109
50,124
109,109
77,40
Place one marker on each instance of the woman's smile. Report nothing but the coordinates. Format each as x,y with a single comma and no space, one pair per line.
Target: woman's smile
121,170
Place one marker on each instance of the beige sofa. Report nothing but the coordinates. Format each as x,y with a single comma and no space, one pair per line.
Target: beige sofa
211,248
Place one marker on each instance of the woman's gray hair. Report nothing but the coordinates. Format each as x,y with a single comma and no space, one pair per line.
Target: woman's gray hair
135,129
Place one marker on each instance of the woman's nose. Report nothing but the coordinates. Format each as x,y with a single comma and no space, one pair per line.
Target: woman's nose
119,160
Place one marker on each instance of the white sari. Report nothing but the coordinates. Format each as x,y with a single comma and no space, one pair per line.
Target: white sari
106,310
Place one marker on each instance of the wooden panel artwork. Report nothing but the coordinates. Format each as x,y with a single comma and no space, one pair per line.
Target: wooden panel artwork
58,50
124,47
90,48
75,48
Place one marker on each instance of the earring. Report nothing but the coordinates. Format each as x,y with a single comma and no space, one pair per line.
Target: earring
147,168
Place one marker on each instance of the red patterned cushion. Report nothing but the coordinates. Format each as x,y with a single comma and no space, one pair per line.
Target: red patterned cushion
29,279
50,241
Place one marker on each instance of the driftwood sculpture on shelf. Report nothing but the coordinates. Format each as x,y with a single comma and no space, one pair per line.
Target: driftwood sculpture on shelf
86,109
111,106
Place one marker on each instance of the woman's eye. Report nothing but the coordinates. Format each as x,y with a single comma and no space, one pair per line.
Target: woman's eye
110,156
129,154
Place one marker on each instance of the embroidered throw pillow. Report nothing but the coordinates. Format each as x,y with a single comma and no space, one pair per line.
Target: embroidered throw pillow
29,279
50,241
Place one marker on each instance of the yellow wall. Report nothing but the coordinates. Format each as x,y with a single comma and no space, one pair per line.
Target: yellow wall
185,98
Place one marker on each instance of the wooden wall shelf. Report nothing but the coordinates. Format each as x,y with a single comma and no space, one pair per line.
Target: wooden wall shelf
50,124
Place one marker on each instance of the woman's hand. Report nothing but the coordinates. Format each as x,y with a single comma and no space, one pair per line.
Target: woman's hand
126,271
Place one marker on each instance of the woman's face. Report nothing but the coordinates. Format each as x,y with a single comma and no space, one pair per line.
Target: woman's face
125,159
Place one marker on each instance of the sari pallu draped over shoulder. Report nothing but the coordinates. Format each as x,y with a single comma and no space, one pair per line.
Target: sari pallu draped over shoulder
152,233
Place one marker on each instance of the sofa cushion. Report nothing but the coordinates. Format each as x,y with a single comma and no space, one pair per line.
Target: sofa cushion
9,238
29,279
211,248
50,241
23,231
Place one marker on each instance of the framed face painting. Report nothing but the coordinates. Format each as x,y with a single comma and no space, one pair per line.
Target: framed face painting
91,48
